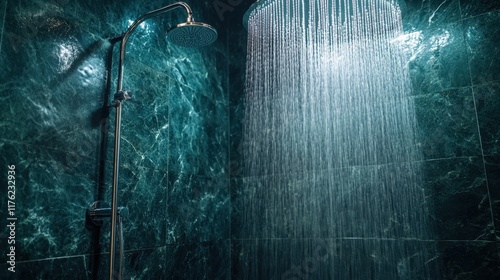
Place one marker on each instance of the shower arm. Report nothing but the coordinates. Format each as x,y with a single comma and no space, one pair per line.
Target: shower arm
119,97
136,23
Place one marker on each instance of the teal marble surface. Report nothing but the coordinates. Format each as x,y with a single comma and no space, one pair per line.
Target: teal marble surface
457,199
476,7
143,191
199,260
145,121
51,200
236,165
487,98
492,164
134,268
447,124
437,58
67,267
469,260
59,111
415,15
204,260
482,38
443,11
197,209
198,134
237,51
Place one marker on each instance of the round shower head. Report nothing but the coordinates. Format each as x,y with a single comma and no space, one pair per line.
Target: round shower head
192,34
341,9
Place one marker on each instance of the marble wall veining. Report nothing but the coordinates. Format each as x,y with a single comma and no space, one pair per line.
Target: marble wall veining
57,80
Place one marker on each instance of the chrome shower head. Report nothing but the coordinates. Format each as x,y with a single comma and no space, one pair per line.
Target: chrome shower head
192,34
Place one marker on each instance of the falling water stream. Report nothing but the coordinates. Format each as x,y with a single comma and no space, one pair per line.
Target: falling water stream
328,103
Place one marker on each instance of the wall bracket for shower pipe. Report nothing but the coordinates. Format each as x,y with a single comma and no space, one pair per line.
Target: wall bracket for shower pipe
96,214
122,95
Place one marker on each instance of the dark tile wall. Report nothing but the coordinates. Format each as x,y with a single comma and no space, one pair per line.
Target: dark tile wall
57,80
457,191
492,173
453,49
487,102
447,124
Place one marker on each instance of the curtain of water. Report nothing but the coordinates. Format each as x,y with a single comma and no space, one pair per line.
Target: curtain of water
328,102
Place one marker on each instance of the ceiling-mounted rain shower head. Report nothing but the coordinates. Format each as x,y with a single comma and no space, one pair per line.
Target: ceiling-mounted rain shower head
343,8
192,34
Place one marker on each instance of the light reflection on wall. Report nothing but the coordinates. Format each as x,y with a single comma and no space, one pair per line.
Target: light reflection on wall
145,31
92,72
411,44
66,54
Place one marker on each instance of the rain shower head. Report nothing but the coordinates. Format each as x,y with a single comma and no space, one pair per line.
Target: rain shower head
192,34
340,9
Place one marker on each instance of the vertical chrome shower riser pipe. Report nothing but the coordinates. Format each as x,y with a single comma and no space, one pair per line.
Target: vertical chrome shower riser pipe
114,192
119,98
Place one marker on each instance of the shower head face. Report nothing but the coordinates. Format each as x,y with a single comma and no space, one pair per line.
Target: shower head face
192,34
344,9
